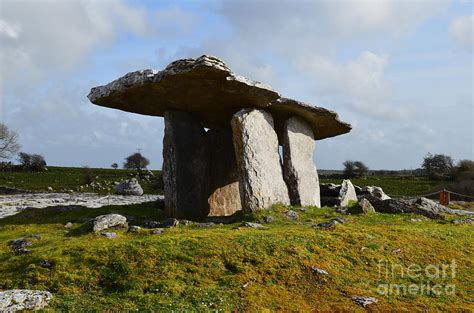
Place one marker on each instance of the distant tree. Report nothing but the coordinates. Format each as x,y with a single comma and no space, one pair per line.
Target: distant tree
349,168
438,166
354,169
136,161
31,162
465,166
360,169
9,145
114,166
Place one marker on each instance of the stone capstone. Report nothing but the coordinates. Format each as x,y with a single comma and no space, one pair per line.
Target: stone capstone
256,149
185,166
298,165
323,122
208,89
347,193
129,187
22,299
224,193
103,222
204,86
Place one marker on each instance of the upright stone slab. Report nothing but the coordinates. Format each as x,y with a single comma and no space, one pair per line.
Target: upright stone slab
298,165
224,197
185,166
256,149
347,193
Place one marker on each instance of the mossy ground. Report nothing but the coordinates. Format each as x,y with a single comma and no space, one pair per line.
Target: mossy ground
230,268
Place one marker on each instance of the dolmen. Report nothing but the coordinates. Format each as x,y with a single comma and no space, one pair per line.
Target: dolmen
223,137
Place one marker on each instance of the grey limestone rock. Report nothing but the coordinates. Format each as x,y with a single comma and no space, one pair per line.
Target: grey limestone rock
298,165
22,299
256,148
103,222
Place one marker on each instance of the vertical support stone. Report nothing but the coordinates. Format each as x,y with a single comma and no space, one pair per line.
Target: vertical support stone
256,150
185,166
224,198
299,170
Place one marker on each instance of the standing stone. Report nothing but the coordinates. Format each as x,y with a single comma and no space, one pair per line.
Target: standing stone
224,193
256,149
185,166
298,165
347,193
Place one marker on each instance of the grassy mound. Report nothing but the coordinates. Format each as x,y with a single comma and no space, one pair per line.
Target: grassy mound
228,267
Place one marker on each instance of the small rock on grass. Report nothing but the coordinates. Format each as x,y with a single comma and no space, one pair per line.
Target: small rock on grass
157,231
47,263
319,271
169,222
364,301
292,215
68,225
268,219
134,229
332,223
464,221
252,225
103,222
109,235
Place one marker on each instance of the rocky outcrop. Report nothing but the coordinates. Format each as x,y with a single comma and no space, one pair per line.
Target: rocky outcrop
129,187
224,193
298,165
185,166
366,207
107,221
20,245
256,148
347,193
22,299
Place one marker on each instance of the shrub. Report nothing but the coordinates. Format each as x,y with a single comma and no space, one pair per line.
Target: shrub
31,162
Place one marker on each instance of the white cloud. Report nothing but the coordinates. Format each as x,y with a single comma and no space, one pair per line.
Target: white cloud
461,29
39,36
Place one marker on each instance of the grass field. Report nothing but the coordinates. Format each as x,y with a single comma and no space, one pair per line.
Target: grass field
232,268
63,179
70,178
227,268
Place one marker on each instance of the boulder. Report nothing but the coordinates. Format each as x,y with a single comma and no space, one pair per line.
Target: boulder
23,299
366,207
374,191
347,193
329,190
169,222
256,149
224,194
103,222
185,167
129,187
298,165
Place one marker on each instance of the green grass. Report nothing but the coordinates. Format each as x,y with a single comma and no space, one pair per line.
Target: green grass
71,178
395,186
204,269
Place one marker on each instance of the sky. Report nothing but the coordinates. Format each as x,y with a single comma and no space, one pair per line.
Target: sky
401,72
